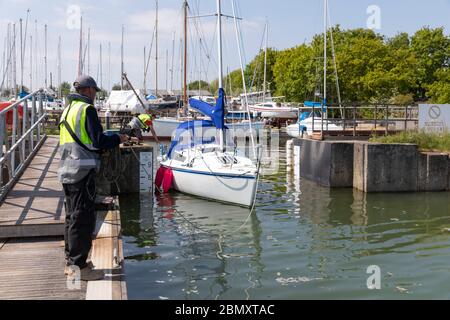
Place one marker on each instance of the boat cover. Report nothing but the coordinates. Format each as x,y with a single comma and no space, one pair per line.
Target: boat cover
126,101
216,113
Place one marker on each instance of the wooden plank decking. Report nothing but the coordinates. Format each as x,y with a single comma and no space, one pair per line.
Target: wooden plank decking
35,206
31,239
33,269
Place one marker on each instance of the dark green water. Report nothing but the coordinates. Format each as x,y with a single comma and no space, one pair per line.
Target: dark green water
302,242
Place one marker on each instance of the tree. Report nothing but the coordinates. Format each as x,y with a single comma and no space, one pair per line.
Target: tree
294,73
198,85
254,71
432,49
370,67
64,88
117,87
439,91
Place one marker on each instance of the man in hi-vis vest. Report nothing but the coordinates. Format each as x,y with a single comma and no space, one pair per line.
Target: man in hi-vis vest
81,141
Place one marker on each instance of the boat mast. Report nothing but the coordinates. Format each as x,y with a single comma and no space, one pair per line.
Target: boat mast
145,73
171,69
338,90
89,52
325,53
31,63
324,103
241,62
185,98
109,66
45,58
167,70
219,48
59,68
265,62
21,56
101,67
14,64
156,36
121,59
80,50
35,52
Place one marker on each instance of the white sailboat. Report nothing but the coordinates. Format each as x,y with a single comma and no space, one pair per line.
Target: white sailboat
317,119
274,110
310,121
198,162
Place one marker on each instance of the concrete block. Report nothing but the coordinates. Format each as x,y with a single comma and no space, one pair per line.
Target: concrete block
385,167
433,171
329,163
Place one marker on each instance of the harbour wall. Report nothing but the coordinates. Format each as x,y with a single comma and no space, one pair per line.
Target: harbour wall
373,167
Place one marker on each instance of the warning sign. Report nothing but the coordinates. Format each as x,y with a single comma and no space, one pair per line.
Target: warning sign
434,118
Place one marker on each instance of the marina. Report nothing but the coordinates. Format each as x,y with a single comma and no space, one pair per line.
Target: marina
217,167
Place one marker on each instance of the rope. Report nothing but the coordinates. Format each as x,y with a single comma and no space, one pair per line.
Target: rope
112,170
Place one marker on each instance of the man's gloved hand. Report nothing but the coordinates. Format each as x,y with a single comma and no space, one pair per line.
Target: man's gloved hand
123,138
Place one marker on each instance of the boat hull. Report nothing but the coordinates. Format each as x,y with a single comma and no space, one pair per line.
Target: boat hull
294,131
234,189
275,112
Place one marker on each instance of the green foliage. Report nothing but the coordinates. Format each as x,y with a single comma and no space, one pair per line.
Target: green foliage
254,71
198,85
294,73
432,49
65,88
402,99
117,87
370,67
439,91
425,141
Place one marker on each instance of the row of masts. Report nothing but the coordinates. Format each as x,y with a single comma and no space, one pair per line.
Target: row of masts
10,64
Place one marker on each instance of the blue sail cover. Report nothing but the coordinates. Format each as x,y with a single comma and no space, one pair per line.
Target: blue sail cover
186,126
312,104
215,113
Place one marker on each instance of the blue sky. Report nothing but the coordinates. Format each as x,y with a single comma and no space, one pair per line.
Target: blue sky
291,22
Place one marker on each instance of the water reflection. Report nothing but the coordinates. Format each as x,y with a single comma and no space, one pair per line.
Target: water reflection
303,241
203,236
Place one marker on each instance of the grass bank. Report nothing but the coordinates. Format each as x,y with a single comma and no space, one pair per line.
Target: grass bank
425,141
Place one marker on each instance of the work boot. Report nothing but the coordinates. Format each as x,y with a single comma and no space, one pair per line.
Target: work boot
89,274
67,268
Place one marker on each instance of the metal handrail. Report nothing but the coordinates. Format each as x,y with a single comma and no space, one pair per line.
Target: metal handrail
24,136
21,140
17,103
406,113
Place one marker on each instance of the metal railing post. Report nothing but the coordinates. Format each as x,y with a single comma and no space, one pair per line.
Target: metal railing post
376,115
33,119
39,116
406,117
14,138
3,134
313,116
24,129
387,119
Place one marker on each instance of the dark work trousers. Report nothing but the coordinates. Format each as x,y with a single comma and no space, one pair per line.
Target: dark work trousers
80,219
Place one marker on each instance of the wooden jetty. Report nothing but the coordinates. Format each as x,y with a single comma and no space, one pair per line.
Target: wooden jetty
32,243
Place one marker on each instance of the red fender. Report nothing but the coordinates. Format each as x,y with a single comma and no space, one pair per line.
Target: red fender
168,180
159,177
